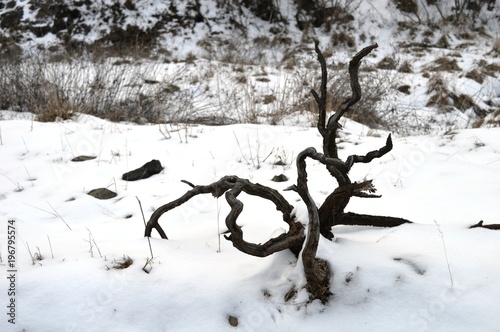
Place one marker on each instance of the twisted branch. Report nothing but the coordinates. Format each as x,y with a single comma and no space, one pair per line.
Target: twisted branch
321,100
316,270
233,186
321,220
370,155
292,240
329,144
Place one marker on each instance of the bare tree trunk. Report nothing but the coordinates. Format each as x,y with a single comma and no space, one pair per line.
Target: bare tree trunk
332,209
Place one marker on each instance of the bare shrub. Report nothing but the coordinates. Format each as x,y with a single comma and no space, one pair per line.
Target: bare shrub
55,109
475,75
129,91
496,47
406,67
387,62
445,99
376,86
444,64
439,93
409,9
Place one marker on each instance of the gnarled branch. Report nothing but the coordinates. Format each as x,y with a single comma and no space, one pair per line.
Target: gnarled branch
321,100
216,189
232,186
350,218
292,240
321,220
316,270
332,209
329,144
370,155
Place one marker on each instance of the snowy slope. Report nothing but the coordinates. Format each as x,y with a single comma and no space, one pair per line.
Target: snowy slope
239,67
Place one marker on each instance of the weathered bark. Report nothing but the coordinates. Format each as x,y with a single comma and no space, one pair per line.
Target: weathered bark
316,270
332,209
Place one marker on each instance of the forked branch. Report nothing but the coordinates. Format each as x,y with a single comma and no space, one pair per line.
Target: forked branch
329,133
355,86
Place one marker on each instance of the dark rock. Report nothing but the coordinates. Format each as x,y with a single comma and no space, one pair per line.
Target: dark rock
126,262
39,30
83,158
148,169
102,193
280,178
129,5
12,18
404,89
233,321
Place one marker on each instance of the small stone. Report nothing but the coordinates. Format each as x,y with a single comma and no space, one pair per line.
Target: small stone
83,158
280,178
145,171
102,193
404,89
233,321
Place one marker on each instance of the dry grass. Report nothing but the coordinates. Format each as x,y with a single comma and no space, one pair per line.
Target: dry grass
128,91
475,75
442,97
495,50
55,109
405,67
444,64
439,92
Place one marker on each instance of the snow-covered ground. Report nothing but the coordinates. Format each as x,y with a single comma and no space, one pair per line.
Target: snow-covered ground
434,275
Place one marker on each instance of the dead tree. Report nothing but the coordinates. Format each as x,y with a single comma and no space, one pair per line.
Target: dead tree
322,219
331,212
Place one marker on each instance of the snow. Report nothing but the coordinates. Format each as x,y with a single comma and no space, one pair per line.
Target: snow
434,275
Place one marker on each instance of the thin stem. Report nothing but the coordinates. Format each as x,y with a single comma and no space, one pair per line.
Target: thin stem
59,216
50,245
445,253
144,219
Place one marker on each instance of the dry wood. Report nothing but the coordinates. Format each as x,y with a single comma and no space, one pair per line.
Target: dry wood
232,186
320,220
